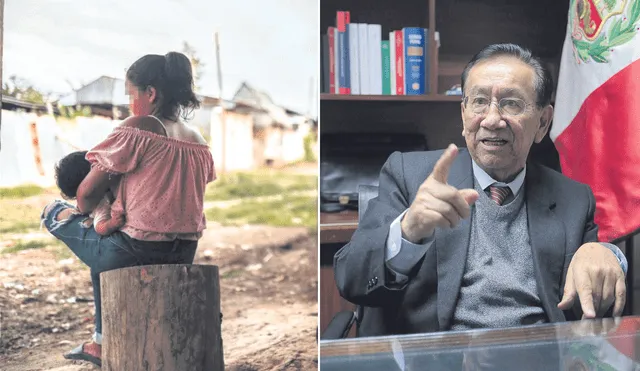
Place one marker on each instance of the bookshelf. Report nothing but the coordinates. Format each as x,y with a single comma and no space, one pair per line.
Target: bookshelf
391,98
464,27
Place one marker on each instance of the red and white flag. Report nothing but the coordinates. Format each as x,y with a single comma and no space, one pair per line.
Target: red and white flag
596,127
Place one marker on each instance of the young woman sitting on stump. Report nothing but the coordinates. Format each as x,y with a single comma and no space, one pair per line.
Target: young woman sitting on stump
160,182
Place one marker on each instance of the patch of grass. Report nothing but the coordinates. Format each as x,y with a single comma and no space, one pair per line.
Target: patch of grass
21,191
25,245
18,217
58,248
232,273
289,211
259,183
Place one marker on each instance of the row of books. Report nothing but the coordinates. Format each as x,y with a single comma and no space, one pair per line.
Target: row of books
356,60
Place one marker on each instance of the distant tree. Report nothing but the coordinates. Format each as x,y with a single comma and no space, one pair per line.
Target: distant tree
196,62
73,112
22,89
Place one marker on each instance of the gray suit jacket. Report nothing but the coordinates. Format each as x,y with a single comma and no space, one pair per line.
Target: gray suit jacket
560,213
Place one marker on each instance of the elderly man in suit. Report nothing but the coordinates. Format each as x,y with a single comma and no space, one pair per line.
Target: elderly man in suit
478,237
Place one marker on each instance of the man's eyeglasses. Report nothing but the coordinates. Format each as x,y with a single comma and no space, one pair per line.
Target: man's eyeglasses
508,106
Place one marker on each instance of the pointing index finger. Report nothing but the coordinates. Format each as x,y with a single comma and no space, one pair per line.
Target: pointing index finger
441,168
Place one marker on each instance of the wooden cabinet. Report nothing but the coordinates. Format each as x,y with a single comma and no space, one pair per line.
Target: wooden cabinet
464,27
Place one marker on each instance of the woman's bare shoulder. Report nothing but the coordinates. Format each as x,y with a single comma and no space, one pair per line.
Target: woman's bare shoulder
146,123
192,134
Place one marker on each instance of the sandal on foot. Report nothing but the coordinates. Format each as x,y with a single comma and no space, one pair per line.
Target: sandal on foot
79,354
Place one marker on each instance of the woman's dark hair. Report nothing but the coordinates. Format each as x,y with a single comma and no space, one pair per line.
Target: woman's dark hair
544,81
172,77
70,172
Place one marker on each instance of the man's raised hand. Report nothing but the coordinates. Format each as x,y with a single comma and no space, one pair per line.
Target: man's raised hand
437,204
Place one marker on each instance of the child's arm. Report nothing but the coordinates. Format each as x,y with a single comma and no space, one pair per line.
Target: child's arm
103,223
93,188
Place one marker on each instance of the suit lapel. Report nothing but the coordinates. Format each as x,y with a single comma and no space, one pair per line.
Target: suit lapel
452,246
548,244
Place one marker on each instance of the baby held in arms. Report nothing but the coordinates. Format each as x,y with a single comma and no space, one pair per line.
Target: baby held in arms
74,168
70,172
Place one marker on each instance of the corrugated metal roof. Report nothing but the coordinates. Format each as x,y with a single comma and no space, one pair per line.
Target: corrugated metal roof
103,90
111,91
6,99
253,97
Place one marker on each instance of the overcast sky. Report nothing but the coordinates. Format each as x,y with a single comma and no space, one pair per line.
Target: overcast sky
272,44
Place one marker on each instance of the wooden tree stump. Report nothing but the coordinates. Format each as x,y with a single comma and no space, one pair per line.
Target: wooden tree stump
161,318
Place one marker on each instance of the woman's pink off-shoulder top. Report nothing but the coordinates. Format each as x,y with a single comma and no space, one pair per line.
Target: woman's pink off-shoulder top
162,190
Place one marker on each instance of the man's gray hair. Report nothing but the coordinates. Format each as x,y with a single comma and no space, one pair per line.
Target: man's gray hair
543,83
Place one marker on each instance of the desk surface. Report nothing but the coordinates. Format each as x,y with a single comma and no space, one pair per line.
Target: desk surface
338,227
603,344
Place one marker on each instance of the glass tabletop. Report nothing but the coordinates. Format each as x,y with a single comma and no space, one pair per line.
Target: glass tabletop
599,345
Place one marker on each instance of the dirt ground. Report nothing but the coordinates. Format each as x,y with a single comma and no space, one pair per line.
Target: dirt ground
268,293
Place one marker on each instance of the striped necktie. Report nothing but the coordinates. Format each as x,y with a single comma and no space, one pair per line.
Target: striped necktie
499,194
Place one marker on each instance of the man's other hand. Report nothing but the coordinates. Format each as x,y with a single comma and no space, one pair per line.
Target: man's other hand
596,278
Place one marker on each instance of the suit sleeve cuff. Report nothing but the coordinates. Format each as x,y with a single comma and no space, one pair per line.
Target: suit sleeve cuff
618,253
401,255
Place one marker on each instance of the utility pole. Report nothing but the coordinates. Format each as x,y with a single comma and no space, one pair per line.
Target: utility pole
223,119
